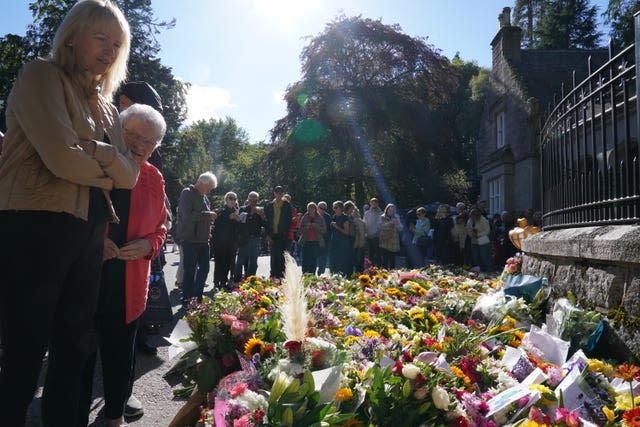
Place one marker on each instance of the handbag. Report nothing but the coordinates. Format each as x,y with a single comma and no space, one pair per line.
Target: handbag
158,309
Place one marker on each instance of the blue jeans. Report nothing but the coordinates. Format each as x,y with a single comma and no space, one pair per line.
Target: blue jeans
196,269
247,258
482,256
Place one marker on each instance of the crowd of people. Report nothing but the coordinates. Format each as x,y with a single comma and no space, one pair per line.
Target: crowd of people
344,240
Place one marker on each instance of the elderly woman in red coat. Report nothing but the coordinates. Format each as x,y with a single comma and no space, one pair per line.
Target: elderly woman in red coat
128,250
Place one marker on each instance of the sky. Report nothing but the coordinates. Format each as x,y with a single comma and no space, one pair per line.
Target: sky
240,55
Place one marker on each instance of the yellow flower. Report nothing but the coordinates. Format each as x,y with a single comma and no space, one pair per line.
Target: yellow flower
393,291
391,331
371,334
388,309
262,312
253,346
364,280
364,317
416,313
350,340
339,332
623,401
432,318
541,388
519,334
510,321
531,423
597,365
457,371
265,300
343,394
611,416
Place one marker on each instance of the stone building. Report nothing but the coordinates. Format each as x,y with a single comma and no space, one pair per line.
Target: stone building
522,85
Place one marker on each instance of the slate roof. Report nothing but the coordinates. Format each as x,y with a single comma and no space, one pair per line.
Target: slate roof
540,71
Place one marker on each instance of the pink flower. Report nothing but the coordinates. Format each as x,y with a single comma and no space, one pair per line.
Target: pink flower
238,389
571,419
238,327
228,319
243,421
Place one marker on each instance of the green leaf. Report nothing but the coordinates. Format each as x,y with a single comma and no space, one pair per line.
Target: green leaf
406,389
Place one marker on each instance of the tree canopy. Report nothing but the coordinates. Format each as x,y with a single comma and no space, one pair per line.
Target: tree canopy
558,24
370,116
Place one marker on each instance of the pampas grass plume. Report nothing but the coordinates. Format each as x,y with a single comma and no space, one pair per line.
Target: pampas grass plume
293,309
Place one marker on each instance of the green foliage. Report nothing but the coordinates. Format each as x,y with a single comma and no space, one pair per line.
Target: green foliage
13,54
619,17
372,115
526,15
567,24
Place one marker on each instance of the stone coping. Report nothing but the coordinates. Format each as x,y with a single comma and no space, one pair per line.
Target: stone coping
613,243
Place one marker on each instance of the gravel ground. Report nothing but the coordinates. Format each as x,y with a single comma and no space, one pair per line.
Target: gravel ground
153,390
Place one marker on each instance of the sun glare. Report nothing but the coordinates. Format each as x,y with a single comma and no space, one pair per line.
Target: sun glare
285,13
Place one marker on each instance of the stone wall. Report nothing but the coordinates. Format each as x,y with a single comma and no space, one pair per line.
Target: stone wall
599,265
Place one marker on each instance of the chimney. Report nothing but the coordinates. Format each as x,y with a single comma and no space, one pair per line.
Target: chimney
506,44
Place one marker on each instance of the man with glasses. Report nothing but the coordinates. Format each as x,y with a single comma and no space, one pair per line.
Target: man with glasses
323,252
225,242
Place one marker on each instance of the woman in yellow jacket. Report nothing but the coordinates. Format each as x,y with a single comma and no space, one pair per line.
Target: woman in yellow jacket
63,153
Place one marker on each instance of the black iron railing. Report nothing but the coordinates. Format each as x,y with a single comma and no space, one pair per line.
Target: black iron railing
589,147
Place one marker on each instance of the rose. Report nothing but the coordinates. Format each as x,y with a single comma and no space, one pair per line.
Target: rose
239,327
293,347
228,319
420,393
440,398
410,371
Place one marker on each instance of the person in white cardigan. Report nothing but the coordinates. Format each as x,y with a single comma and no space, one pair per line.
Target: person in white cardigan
478,229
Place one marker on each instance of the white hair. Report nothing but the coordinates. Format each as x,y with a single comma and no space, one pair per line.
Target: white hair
148,115
208,178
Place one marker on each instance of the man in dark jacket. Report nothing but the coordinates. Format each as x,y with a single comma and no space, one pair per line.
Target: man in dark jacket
278,221
250,230
194,229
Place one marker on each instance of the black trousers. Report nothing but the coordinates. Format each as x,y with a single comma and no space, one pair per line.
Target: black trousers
51,265
117,356
279,244
225,260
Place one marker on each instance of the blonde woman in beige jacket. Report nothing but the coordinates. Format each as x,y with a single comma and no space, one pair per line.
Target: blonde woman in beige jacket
63,153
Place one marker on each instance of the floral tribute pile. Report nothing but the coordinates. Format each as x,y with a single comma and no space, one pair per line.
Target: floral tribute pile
429,347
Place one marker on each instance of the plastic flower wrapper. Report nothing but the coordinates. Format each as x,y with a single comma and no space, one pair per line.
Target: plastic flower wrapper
572,323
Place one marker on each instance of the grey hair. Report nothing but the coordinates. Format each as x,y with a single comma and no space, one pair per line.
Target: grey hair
208,178
253,193
148,115
88,14
231,194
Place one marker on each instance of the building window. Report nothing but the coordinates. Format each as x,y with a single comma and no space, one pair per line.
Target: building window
500,125
495,196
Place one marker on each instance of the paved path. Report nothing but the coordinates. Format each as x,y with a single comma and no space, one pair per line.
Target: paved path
151,387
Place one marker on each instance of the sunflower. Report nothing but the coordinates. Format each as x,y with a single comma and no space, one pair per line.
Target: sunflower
631,418
364,279
393,291
254,346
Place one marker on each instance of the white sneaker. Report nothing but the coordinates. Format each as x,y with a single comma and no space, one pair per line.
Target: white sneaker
133,407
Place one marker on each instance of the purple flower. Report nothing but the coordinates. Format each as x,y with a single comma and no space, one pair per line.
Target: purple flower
350,330
522,369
